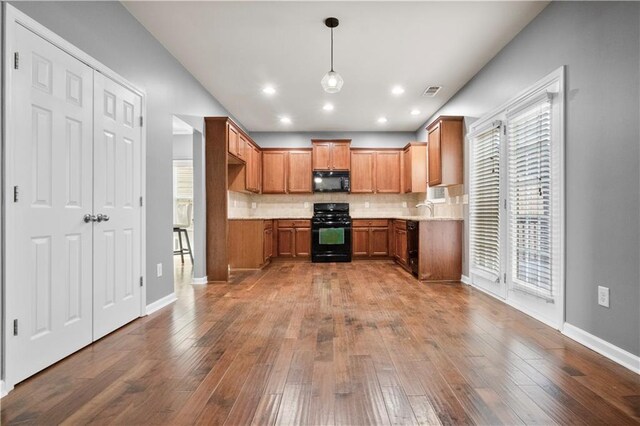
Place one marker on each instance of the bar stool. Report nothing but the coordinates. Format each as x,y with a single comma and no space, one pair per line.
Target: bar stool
181,228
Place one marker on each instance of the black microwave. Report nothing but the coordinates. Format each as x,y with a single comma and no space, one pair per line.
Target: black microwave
331,181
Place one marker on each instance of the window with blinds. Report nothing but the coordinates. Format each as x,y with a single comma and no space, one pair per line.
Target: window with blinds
530,196
183,175
484,191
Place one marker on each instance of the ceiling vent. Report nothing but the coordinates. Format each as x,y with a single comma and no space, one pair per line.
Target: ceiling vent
431,91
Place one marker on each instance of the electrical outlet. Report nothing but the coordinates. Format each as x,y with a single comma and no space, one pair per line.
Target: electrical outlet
306,204
366,204
159,269
404,204
603,296
254,205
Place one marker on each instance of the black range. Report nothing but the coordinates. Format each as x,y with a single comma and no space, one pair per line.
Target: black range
331,233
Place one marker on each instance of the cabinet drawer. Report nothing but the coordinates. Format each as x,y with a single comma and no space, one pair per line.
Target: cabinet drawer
293,223
359,223
400,224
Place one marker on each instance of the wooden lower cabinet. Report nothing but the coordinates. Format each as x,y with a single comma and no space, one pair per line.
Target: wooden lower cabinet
401,251
370,238
250,243
293,238
440,249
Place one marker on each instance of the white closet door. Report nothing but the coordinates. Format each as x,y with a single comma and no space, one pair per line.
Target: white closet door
49,245
117,150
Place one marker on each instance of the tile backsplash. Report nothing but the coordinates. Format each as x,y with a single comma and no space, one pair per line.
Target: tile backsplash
243,205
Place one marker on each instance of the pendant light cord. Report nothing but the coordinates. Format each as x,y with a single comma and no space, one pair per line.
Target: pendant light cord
331,49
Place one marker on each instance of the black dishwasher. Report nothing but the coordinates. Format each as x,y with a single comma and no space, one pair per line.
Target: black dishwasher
412,245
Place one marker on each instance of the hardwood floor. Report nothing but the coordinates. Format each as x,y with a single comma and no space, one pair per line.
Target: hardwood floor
352,344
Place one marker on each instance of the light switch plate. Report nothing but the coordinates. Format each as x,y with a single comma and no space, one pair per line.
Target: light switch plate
159,269
404,204
254,205
366,204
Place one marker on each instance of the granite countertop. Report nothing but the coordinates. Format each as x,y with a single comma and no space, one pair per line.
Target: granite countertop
355,216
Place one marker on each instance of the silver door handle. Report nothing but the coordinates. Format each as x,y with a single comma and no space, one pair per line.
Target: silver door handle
102,218
89,218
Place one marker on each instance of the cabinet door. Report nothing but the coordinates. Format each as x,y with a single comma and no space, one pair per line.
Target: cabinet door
286,242
362,171
340,158
387,172
401,246
406,176
299,172
267,242
256,168
435,165
274,172
322,156
360,241
232,139
379,241
243,147
302,242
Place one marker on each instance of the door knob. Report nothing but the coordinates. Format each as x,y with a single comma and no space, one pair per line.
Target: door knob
102,218
89,218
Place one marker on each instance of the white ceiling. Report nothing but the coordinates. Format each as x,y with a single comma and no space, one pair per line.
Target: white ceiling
235,48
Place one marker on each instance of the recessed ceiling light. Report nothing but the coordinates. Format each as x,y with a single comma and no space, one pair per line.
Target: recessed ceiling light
382,120
285,120
269,90
415,111
397,90
328,107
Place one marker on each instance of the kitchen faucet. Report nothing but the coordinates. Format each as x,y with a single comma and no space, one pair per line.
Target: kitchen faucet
428,204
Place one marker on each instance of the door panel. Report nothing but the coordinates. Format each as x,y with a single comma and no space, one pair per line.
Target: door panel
49,260
303,242
362,171
274,176
322,156
379,241
116,274
360,242
340,158
388,171
285,242
435,165
299,173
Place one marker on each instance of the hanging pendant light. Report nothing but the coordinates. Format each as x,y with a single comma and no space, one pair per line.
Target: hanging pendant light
332,81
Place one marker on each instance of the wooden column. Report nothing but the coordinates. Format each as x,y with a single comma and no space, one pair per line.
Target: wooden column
216,183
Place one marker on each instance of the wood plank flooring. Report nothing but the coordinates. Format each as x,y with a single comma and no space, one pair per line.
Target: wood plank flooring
345,344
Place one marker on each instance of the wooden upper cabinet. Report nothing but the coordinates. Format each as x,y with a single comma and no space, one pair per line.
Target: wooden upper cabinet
274,172
253,173
414,159
286,171
376,171
299,172
243,147
322,156
362,171
340,156
331,155
233,140
445,152
387,171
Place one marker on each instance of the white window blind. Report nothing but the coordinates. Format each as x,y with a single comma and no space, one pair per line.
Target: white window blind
530,196
183,181
484,212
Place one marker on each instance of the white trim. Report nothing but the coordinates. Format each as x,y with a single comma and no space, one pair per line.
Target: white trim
604,348
11,18
161,303
465,280
200,281
3,389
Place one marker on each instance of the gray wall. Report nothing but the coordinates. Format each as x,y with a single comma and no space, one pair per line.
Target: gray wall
107,32
182,147
358,139
600,45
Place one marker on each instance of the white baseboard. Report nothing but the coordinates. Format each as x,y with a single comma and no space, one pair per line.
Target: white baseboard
614,353
161,303
200,281
3,389
465,280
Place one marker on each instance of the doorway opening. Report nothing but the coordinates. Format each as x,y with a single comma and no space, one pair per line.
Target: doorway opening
183,203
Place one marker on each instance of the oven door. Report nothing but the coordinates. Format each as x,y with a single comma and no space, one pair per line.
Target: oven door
331,242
